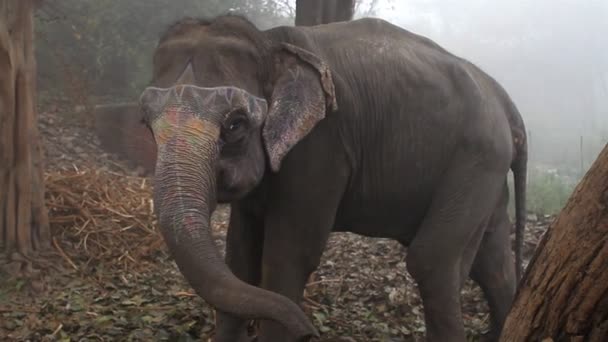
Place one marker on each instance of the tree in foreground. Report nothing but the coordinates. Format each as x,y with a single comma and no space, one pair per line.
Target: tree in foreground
564,294
24,226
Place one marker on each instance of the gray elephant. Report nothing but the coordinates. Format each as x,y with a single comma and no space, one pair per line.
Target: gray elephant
354,126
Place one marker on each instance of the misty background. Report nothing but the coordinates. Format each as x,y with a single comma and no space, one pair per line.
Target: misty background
550,55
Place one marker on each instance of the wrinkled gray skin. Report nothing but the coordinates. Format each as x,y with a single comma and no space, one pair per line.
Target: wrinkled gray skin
369,129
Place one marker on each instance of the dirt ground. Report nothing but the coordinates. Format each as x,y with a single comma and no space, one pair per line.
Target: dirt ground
108,276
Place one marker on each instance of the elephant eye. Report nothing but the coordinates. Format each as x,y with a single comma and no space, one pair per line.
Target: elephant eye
237,121
236,124
235,128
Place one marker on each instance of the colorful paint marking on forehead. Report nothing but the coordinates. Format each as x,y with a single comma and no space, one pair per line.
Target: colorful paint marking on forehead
212,103
183,125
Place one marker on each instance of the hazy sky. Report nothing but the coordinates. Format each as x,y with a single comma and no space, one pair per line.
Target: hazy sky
398,12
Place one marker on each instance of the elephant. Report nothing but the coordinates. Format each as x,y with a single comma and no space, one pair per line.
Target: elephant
358,126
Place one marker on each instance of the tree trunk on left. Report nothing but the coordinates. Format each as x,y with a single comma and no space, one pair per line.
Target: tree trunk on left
24,226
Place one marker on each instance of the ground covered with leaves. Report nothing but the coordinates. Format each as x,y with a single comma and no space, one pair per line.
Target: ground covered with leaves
108,276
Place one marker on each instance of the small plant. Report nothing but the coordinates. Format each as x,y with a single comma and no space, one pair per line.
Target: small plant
546,194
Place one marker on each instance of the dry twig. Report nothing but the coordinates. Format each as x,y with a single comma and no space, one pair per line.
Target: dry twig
63,255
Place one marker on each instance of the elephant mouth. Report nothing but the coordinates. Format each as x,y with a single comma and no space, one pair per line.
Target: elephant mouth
227,194
234,184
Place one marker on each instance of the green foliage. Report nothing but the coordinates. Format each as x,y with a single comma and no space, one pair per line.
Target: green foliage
104,47
548,192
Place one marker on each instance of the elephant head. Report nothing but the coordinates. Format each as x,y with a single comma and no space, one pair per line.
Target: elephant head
225,106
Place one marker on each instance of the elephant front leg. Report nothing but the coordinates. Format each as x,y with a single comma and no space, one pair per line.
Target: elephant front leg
295,234
300,213
243,255
288,260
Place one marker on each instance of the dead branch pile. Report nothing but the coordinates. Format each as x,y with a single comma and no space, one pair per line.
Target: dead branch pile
102,217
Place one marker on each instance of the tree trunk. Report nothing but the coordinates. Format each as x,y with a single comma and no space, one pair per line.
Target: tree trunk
338,10
308,12
24,226
564,294
316,12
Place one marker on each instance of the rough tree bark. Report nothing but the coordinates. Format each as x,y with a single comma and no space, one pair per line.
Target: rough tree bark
24,226
564,293
315,12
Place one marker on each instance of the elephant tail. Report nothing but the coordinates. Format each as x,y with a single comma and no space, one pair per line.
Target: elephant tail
520,168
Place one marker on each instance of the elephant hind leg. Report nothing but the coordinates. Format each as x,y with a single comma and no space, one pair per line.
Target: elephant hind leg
494,268
463,204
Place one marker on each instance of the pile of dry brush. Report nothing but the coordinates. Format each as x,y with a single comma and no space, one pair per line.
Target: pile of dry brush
101,217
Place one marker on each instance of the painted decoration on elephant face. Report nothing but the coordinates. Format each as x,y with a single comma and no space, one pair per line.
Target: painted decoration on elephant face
182,117
178,123
210,103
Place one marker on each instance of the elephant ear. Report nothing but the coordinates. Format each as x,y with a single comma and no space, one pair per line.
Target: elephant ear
302,93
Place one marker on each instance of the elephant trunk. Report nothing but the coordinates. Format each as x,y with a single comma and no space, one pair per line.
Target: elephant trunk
185,198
